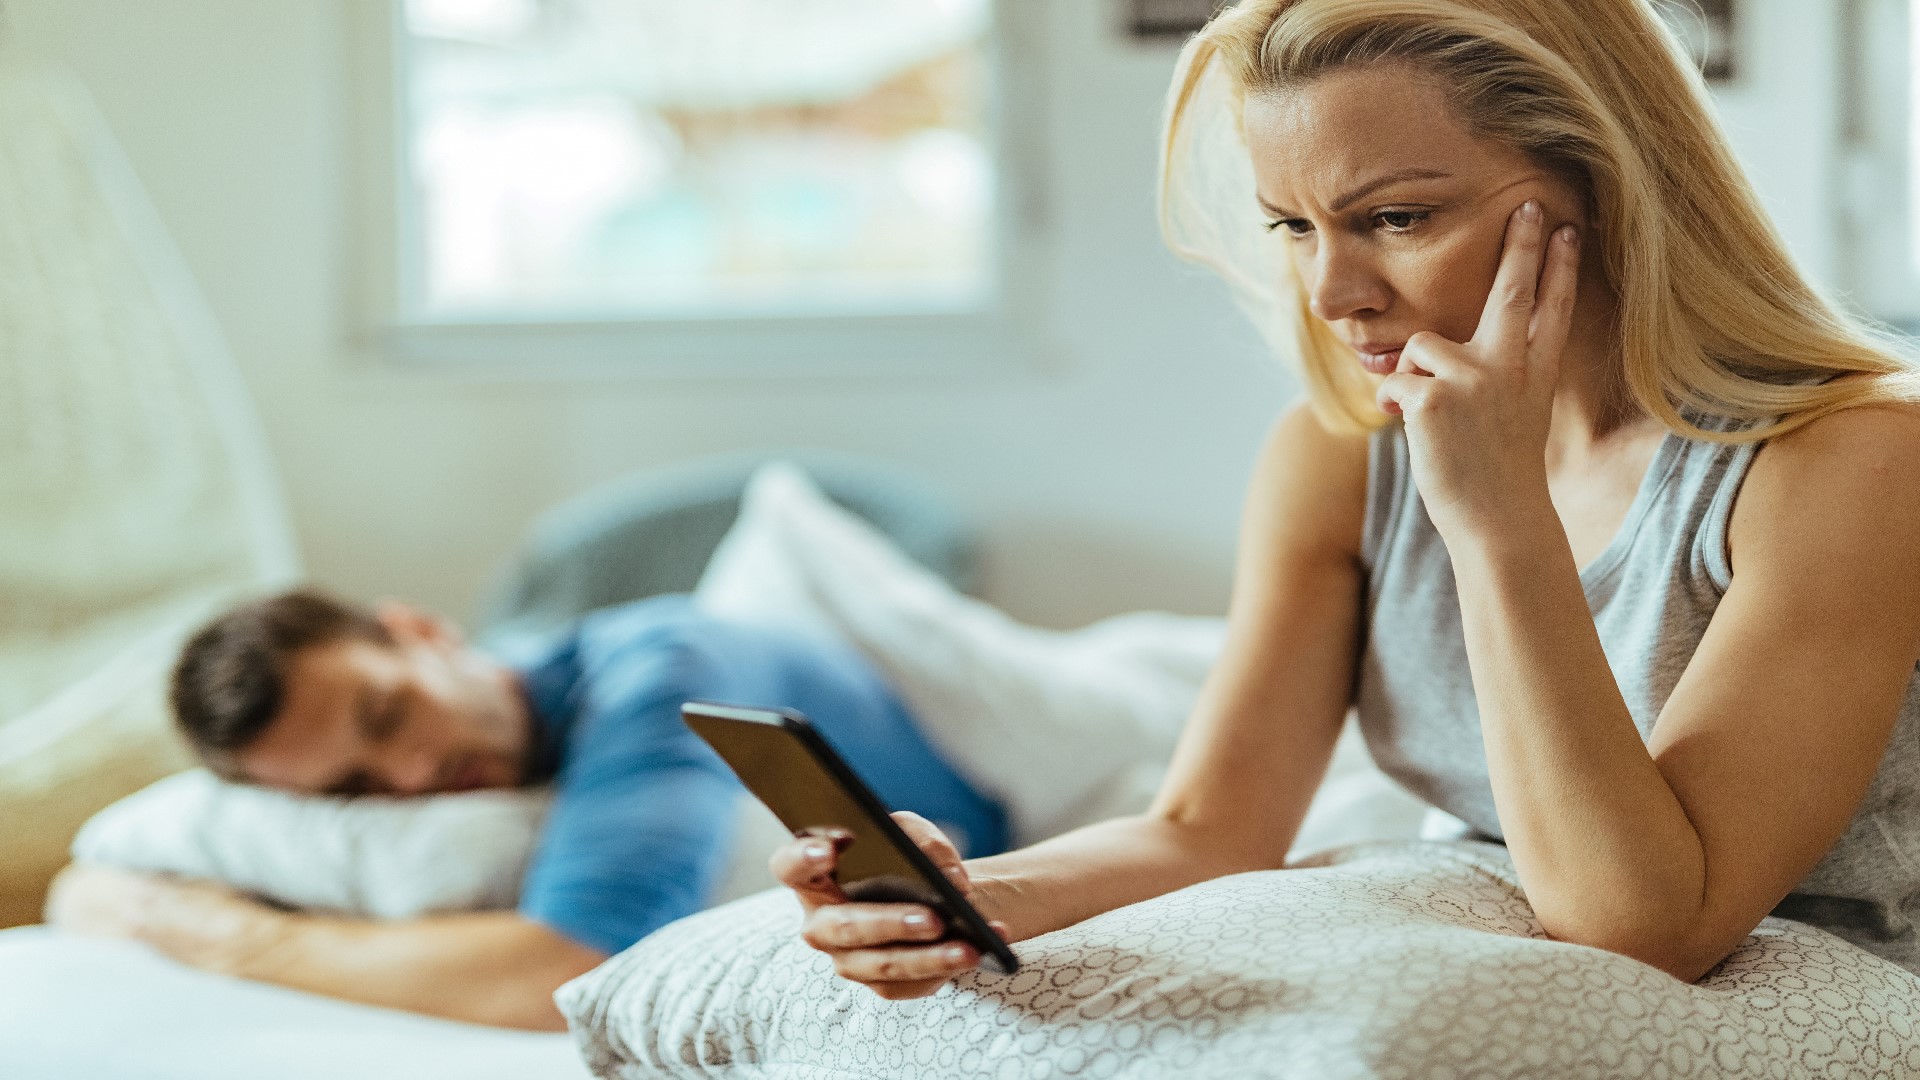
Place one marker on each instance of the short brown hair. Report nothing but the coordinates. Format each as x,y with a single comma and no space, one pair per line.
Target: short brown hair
230,679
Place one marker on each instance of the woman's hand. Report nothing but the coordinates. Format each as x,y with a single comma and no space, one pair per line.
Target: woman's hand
893,949
1477,412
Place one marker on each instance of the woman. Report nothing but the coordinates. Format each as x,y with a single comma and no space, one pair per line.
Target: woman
1546,331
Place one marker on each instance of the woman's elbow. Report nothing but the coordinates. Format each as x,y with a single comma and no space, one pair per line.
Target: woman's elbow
1679,954
1227,843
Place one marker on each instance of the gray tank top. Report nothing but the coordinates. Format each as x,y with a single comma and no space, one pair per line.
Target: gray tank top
1652,592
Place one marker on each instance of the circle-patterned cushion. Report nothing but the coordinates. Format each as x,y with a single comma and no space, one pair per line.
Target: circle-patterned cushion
1415,960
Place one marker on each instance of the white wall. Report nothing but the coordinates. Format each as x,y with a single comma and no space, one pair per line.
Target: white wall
1782,114
1110,481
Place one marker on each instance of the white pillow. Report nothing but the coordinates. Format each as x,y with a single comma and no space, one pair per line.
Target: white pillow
1389,960
1043,721
1062,728
370,856
374,856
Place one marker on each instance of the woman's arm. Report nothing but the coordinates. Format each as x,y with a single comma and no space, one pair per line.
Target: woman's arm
1248,763
1262,731
1669,850
1672,850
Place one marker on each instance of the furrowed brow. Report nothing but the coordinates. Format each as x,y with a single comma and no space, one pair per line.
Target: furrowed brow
1388,180
1400,177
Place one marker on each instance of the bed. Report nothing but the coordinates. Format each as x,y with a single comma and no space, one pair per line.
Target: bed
99,1009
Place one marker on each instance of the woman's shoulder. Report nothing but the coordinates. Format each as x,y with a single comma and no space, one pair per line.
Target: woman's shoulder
1871,434
1311,484
1855,461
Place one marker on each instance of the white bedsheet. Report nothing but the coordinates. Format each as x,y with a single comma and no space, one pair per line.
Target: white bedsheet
73,1008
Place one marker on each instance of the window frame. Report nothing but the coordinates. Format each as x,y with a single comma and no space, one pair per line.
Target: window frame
1003,331
1875,194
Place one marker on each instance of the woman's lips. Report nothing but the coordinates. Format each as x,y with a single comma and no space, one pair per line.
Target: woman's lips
1381,363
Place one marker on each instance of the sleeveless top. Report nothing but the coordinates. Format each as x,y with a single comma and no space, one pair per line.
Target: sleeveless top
1652,592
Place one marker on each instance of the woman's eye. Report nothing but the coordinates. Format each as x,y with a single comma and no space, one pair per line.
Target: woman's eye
1293,226
1400,220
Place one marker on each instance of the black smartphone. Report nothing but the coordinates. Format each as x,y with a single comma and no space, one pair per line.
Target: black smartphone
787,765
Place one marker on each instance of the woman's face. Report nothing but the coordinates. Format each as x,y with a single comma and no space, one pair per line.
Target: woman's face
1393,211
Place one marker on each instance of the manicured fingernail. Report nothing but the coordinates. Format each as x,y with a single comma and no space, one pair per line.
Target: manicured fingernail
955,953
1530,211
1569,235
918,920
957,873
816,852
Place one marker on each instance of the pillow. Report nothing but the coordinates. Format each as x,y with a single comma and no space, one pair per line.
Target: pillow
368,856
1063,728
374,856
1043,721
1386,960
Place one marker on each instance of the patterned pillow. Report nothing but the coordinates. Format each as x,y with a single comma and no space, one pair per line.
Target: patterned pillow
1387,960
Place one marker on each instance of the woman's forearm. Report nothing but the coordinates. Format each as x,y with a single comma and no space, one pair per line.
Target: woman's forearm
1094,869
1601,842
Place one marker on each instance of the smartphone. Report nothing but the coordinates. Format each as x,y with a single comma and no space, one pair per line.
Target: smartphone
787,765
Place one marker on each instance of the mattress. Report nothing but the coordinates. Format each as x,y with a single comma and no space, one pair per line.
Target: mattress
109,1009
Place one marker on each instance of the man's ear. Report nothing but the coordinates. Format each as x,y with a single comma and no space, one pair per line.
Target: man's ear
410,625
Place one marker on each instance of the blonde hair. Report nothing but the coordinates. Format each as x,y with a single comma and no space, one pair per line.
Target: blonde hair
1712,313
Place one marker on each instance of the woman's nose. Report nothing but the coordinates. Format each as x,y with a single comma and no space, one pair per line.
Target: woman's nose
1341,285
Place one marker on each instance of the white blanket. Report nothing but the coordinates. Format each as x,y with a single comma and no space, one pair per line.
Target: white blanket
75,1008
1385,960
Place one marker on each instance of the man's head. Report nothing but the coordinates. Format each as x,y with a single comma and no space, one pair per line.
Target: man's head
304,692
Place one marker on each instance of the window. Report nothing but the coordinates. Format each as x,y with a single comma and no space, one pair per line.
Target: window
702,181
1878,181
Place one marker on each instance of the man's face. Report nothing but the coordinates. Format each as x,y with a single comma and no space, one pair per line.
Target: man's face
423,714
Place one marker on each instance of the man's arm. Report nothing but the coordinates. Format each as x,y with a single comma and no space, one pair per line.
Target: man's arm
498,968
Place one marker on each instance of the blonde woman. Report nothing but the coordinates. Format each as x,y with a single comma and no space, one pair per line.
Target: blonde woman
1599,517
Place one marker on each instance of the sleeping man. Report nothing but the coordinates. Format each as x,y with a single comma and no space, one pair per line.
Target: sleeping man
305,693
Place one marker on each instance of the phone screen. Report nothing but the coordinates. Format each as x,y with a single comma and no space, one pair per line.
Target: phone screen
790,768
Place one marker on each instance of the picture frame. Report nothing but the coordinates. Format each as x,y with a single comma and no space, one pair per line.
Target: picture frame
1706,27
1151,19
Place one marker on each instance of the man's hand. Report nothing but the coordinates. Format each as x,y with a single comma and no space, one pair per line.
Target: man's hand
197,923
494,967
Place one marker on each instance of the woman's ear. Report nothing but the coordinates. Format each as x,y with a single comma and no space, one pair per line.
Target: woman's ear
410,625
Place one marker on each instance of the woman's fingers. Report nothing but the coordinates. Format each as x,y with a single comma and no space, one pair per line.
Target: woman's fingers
1559,289
909,963
1428,353
1403,392
894,949
1410,365
928,837
837,927
806,863
1509,311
